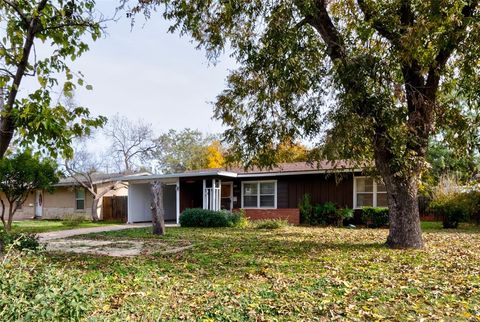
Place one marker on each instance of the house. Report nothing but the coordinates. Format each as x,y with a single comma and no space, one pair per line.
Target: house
70,198
262,193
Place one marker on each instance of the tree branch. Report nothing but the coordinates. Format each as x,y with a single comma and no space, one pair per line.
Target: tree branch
377,24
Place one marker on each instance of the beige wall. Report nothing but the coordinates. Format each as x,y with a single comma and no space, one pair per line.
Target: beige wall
61,202
27,210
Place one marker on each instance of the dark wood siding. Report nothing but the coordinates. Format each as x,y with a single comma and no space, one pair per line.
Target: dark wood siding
191,194
321,187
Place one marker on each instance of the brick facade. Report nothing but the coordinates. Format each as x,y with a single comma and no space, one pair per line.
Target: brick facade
290,214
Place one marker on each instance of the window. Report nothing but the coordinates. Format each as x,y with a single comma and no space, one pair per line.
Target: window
259,194
369,193
80,199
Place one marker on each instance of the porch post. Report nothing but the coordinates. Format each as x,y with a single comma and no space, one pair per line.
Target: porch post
219,201
177,192
204,194
213,206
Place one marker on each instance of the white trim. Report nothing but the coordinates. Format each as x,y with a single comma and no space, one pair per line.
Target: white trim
204,201
374,192
258,194
177,197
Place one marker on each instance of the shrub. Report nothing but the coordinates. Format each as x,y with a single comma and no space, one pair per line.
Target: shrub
270,223
72,220
20,241
456,207
322,214
306,209
375,217
197,217
33,290
325,214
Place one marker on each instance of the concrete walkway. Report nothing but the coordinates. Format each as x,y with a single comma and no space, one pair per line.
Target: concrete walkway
82,231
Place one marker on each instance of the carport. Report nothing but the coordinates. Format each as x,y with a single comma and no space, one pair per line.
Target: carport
140,199
140,195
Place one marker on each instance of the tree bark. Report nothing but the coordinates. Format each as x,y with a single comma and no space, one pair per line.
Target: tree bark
405,230
11,212
158,210
3,214
94,209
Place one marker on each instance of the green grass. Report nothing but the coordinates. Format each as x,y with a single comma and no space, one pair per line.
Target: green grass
41,226
296,273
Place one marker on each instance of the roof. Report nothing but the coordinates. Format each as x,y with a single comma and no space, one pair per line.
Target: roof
97,177
323,165
281,169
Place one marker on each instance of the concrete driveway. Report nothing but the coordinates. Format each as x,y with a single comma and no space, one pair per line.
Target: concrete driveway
43,237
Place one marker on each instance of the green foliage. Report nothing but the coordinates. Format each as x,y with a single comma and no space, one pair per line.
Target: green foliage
46,225
444,161
37,118
270,223
288,69
72,220
33,290
179,151
197,217
24,173
375,217
456,207
322,214
306,209
19,241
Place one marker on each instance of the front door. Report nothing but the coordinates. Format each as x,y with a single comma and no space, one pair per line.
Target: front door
226,199
38,204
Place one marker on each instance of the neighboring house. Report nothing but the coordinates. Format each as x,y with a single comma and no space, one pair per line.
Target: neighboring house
267,193
70,198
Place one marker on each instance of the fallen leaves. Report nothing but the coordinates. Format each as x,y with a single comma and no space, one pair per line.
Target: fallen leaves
292,274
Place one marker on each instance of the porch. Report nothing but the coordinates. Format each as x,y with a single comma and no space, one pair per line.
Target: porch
180,193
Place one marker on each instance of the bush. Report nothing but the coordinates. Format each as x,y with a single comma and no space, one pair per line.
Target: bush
33,290
270,223
72,220
322,214
197,217
375,217
456,207
306,209
20,241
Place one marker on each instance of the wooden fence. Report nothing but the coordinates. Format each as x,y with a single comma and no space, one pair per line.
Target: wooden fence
115,208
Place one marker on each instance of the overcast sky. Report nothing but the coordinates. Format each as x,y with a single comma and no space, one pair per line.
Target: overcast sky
151,74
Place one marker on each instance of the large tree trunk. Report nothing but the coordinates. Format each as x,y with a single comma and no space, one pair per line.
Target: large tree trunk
405,231
94,209
402,189
158,210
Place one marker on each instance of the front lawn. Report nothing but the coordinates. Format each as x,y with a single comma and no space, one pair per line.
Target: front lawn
45,225
296,273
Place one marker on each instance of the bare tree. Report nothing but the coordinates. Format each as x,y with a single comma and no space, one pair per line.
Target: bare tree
158,209
83,168
131,142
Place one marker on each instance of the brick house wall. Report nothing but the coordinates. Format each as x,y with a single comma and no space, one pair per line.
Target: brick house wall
292,215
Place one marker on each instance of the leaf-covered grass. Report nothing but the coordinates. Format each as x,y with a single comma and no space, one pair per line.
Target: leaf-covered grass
44,225
296,273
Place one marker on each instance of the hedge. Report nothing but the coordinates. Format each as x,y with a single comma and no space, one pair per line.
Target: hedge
375,217
197,217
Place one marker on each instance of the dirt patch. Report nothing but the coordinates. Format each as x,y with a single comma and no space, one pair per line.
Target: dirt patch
115,248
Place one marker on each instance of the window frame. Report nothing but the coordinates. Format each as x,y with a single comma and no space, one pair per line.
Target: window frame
374,192
258,182
77,199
